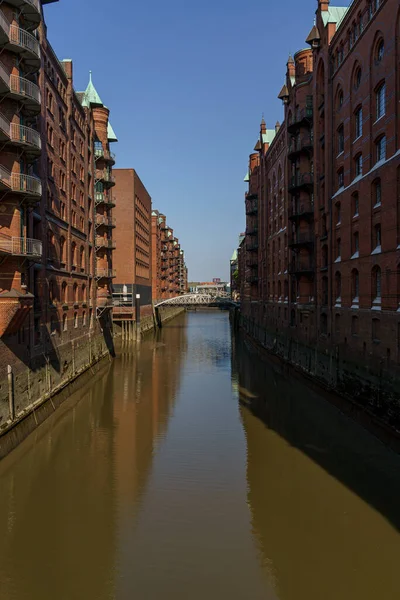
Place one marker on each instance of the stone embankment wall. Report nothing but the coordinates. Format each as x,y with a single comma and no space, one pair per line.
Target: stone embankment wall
372,388
147,320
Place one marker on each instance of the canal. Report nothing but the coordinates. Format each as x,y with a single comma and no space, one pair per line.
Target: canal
191,470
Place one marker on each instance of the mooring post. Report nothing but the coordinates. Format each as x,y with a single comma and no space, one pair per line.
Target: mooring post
138,335
11,404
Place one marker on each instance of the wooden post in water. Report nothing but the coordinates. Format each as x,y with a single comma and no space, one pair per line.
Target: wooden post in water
138,333
11,404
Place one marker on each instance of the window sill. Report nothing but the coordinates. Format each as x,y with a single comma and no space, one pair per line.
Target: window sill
357,138
379,118
338,260
355,255
356,216
376,250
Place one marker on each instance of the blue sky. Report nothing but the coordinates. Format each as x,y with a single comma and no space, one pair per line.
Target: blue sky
187,83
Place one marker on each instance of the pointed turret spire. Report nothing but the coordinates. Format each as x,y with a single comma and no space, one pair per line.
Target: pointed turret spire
91,96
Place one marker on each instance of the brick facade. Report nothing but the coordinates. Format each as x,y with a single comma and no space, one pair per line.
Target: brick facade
324,194
53,289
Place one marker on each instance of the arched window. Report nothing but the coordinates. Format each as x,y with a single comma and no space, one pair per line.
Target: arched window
380,98
52,291
324,257
81,258
324,324
354,325
376,288
76,320
53,325
355,204
355,286
338,287
376,193
380,51
73,255
84,319
64,298
62,250
357,77
75,292
83,292
337,323
65,322
279,290
286,289
324,299
376,330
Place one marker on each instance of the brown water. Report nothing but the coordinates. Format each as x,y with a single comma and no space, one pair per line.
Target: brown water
190,470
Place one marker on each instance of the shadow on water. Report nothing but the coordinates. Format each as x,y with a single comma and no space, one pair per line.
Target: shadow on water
308,422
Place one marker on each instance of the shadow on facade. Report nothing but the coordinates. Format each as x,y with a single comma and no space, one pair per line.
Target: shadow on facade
310,423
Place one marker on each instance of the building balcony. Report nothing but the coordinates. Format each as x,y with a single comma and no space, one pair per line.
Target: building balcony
106,273
106,177
105,243
252,246
251,195
103,198
31,11
105,220
22,90
101,153
301,180
21,42
302,239
300,144
301,210
252,230
18,246
251,207
302,266
252,262
19,183
27,138
300,117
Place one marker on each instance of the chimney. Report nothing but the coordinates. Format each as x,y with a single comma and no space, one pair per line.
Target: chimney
323,5
277,127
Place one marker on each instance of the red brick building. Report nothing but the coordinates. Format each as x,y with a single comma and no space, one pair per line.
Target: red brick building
132,257
170,275
54,290
324,197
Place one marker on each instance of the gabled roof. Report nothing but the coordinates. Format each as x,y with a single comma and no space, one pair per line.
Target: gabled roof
334,14
110,133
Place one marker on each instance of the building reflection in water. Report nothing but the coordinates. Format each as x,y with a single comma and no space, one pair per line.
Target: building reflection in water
68,491
323,493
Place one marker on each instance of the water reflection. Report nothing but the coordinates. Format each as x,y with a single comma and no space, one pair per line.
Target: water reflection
323,492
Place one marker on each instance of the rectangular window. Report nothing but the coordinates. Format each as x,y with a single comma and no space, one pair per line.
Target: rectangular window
356,242
381,149
359,123
359,164
340,178
381,101
378,193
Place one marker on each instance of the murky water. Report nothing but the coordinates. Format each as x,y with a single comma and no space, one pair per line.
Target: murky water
190,470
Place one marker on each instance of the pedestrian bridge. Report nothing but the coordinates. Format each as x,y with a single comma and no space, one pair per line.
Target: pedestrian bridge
189,300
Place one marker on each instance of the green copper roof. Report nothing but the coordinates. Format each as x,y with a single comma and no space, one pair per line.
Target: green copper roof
234,256
110,133
268,137
246,177
334,14
91,96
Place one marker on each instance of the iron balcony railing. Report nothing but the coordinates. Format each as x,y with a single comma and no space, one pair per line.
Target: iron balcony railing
106,273
104,220
106,154
301,143
304,114
252,230
24,87
26,184
102,198
25,135
5,176
18,246
300,180
105,243
24,39
252,246
105,175
251,206
301,265
298,239
300,209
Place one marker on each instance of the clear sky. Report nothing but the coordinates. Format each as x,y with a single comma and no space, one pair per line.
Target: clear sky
187,83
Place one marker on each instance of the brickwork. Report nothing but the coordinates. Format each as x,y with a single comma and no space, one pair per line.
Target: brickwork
55,161
324,195
171,276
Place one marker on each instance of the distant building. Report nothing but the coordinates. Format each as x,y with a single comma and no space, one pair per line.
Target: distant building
169,269
132,256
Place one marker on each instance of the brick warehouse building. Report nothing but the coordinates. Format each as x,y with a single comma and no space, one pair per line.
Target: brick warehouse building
170,274
132,258
55,294
324,197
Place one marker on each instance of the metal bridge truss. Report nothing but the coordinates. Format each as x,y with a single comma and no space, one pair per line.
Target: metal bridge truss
195,300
